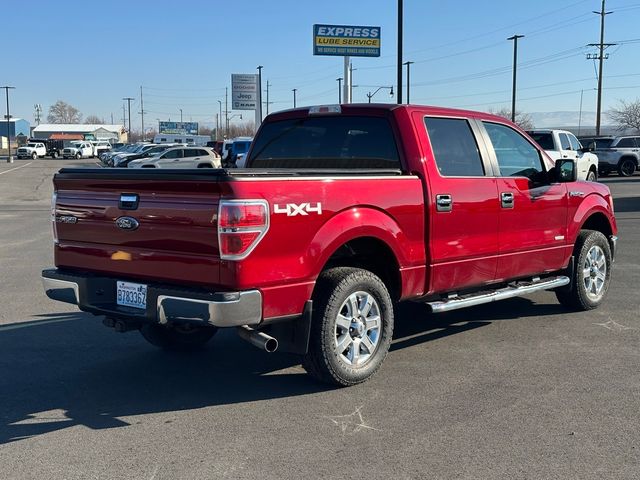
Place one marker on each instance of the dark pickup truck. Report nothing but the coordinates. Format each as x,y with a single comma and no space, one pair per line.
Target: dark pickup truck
343,211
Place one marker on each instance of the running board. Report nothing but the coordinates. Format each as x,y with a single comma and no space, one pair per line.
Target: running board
523,288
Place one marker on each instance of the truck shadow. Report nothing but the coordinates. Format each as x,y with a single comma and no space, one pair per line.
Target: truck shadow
67,369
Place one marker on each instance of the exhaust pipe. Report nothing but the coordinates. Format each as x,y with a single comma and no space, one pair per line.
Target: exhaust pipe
258,339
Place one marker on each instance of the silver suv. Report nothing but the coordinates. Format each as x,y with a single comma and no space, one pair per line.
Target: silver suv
615,153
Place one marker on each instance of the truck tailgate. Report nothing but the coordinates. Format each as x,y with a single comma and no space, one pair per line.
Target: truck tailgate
169,234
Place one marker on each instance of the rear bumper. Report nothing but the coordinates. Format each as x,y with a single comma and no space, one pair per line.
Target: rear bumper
165,304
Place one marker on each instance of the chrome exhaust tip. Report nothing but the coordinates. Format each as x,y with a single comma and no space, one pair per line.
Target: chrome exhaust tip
258,339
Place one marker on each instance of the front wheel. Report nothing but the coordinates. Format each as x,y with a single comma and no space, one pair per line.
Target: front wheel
352,326
591,176
177,337
627,167
34,155
78,156
591,275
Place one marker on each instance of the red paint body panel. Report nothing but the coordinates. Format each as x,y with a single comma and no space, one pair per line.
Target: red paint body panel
475,244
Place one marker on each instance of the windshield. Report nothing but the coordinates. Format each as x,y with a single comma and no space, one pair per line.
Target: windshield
545,140
326,142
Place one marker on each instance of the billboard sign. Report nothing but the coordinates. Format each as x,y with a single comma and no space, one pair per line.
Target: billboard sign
346,40
244,91
178,128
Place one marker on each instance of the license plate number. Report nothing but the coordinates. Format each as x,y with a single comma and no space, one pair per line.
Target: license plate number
131,295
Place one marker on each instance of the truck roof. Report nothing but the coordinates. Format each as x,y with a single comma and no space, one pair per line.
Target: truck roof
382,109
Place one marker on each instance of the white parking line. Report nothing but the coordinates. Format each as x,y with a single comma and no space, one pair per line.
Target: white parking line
16,168
36,323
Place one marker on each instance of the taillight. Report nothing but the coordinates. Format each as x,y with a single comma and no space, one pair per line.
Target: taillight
54,197
241,226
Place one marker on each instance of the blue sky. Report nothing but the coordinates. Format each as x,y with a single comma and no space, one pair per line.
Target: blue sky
91,54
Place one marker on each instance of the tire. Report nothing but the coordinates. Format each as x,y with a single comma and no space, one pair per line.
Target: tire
34,156
591,275
54,155
183,337
626,167
592,176
78,156
333,349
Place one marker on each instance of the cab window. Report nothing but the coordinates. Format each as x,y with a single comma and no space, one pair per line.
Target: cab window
454,147
515,155
564,142
575,144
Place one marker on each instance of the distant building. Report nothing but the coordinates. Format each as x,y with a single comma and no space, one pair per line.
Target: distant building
68,131
17,126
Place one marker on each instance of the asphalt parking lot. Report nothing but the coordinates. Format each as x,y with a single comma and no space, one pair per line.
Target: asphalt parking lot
518,389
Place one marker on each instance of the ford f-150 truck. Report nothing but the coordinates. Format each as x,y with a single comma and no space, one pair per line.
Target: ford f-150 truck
343,211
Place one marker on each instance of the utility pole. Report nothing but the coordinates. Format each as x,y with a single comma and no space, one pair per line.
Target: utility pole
111,118
515,63
128,99
294,97
180,115
226,110
399,67
600,57
142,112
350,89
217,127
220,121
6,89
124,115
339,80
408,64
268,84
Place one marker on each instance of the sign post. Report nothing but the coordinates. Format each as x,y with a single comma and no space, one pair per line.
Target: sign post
346,41
244,93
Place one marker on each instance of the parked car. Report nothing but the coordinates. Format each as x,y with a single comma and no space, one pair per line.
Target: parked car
181,157
563,144
33,150
621,154
100,147
123,160
239,148
355,208
78,149
128,149
125,147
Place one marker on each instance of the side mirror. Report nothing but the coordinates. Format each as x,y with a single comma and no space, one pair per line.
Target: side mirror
565,170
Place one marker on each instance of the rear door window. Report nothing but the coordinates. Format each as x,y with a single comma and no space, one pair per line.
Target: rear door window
626,143
326,142
173,154
454,147
575,144
564,142
545,140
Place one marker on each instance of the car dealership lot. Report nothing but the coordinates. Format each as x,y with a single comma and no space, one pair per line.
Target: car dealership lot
518,389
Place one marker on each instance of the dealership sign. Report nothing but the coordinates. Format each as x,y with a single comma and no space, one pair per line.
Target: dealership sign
244,91
346,40
178,128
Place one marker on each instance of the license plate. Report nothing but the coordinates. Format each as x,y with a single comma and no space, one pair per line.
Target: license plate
132,295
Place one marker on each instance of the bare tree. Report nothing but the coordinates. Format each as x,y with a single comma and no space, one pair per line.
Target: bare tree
94,120
205,131
626,115
62,112
523,120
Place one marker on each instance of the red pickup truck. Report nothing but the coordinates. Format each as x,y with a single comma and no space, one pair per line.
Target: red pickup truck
344,211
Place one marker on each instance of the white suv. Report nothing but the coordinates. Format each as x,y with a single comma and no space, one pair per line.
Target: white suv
181,157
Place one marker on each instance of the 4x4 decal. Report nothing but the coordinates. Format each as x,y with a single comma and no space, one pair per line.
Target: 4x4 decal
293,209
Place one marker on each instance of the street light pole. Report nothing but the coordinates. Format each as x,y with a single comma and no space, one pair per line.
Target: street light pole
515,63
294,97
408,64
180,115
259,96
339,80
220,123
370,95
9,157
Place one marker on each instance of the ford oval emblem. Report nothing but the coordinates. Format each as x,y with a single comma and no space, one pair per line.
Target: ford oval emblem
127,223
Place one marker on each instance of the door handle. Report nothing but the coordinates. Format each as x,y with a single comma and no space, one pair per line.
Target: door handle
444,203
506,199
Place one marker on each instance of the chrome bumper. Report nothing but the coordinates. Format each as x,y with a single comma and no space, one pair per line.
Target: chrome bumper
164,304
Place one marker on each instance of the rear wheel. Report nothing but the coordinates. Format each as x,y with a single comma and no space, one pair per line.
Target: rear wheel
352,326
177,337
591,275
34,155
54,155
627,167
